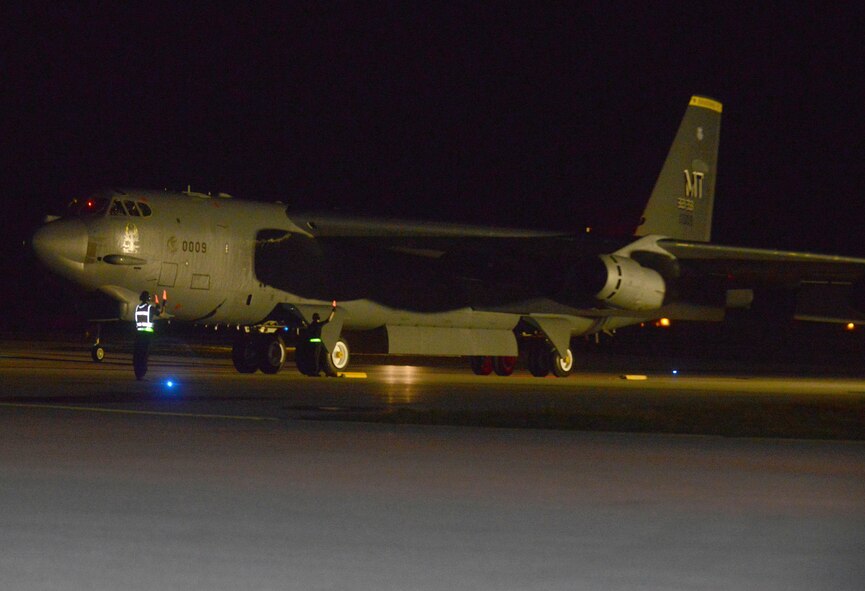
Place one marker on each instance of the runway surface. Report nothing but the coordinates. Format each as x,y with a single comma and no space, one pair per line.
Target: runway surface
284,482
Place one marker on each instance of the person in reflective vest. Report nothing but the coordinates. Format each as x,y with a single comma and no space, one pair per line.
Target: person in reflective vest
145,314
313,335
145,317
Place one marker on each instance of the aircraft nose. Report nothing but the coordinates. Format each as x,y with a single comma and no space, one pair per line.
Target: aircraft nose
61,246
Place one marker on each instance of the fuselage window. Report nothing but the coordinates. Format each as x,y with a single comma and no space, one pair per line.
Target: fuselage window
130,207
117,209
144,209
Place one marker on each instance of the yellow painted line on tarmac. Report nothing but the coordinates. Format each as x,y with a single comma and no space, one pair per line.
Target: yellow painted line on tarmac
137,412
634,377
353,374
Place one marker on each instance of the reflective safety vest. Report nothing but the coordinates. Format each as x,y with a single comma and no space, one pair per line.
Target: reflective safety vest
144,317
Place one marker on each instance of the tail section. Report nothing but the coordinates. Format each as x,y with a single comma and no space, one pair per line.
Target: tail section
681,203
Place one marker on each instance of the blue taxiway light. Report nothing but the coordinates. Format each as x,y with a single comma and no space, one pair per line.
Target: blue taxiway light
675,372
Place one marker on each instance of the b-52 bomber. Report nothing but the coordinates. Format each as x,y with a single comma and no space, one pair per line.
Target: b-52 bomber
412,288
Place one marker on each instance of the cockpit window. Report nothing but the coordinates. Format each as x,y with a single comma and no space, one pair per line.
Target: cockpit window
107,202
91,206
130,207
117,208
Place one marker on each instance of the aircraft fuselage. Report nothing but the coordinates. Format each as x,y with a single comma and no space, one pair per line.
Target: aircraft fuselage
201,251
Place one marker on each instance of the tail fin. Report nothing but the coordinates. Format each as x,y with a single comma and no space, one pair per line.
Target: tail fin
681,203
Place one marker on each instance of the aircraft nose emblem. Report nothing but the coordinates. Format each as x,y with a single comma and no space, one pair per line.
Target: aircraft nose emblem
130,242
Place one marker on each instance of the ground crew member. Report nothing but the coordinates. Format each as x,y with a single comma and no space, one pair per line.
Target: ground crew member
145,317
312,334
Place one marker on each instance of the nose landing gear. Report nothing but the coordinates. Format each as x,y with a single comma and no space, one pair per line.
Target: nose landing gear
97,351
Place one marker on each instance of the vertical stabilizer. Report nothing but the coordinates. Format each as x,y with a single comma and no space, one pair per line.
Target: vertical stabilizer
681,203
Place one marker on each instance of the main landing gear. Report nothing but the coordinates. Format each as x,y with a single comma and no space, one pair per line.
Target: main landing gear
251,352
541,359
484,366
267,352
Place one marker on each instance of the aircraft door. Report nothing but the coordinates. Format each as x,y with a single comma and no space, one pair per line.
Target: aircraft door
168,274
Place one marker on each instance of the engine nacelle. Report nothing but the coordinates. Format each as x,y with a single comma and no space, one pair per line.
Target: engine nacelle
631,286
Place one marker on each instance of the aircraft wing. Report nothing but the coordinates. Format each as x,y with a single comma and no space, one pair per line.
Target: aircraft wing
470,249
432,267
763,266
418,266
436,239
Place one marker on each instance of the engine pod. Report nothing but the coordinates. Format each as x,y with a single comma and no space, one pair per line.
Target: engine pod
630,286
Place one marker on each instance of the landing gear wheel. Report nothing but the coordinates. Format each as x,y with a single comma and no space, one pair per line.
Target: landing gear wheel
97,353
504,366
271,353
539,361
337,360
482,366
244,354
562,366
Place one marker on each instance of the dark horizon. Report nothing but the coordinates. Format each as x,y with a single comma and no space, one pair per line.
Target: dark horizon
553,117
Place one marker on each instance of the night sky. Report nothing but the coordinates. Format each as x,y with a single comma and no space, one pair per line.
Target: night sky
534,116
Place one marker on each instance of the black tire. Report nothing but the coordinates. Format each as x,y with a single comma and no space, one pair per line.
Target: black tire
561,367
244,354
271,353
539,360
335,361
97,353
481,365
504,366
